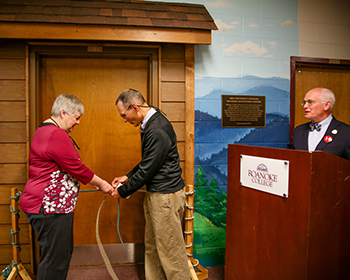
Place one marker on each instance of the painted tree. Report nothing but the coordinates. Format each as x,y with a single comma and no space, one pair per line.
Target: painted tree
209,201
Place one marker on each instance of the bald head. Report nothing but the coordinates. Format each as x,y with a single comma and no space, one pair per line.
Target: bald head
318,104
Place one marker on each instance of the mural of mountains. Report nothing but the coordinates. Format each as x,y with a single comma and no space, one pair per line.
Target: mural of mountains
275,135
211,142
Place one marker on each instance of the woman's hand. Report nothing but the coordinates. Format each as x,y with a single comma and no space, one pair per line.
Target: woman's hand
101,184
105,187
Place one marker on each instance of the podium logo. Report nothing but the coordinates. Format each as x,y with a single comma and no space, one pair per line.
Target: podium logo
261,176
262,167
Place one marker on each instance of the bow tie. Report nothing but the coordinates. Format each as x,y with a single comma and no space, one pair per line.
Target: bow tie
314,126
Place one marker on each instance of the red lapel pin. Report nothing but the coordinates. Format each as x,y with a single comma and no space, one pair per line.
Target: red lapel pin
328,139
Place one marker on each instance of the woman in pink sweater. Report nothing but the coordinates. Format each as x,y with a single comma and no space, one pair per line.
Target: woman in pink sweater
50,195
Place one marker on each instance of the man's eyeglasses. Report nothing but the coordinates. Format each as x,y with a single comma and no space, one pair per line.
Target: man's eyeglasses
141,106
124,115
310,102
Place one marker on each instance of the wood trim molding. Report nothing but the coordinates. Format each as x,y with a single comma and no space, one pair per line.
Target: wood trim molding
190,114
51,31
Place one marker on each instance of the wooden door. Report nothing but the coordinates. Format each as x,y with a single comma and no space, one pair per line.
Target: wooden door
109,147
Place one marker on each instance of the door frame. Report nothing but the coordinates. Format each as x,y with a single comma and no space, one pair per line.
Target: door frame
296,63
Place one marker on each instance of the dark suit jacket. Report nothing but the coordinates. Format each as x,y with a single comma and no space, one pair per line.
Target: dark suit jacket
338,132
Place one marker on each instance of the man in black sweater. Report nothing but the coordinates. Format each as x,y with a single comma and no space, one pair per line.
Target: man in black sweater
159,169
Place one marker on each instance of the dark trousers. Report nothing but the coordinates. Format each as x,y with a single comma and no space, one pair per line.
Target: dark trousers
55,239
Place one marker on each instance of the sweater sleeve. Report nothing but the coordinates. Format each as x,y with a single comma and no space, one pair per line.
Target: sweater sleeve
62,151
156,147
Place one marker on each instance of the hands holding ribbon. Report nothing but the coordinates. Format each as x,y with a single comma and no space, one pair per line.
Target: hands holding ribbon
116,183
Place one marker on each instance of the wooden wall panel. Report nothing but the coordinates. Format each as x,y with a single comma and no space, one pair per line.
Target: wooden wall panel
6,254
173,96
13,153
12,90
173,52
175,112
173,91
12,49
13,132
13,146
12,69
5,215
12,111
179,130
5,192
13,173
6,236
173,71
181,150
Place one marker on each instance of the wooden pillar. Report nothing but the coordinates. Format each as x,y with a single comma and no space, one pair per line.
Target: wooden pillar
189,125
18,270
15,225
189,159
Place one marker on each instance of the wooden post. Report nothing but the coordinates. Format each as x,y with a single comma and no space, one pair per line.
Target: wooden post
15,225
22,273
189,216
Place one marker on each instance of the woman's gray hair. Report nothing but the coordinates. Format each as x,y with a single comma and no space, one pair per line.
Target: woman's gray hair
327,95
68,103
130,96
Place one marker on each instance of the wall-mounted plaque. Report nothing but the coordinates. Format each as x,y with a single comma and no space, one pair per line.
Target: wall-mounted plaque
243,111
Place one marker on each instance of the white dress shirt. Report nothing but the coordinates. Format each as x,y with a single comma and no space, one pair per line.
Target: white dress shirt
316,136
150,113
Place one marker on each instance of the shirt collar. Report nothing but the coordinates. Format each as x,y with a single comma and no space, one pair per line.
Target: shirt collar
150,113
326,121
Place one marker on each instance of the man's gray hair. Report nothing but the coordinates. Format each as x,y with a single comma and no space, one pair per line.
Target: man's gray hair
67,102
327,95
130,96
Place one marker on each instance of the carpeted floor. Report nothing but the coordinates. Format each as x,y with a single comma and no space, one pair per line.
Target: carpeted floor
127,272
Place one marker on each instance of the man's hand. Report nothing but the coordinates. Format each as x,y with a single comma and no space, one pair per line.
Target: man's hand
119,180
115,194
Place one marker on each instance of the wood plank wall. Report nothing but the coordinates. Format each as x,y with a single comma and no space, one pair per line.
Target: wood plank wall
13,145
173,92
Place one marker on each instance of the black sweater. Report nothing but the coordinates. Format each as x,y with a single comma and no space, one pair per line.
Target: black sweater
159,168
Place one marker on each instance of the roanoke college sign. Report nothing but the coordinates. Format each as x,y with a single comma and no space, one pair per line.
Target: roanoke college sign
265,174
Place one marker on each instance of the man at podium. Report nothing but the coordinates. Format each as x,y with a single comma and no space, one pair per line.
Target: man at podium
323,132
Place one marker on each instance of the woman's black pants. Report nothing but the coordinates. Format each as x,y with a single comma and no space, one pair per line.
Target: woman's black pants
55,239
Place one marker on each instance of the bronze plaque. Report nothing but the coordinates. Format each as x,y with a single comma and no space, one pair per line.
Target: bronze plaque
243,111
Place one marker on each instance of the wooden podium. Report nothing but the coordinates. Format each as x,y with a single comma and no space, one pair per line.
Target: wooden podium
304,236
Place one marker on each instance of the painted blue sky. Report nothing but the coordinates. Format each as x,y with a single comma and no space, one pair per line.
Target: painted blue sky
255,38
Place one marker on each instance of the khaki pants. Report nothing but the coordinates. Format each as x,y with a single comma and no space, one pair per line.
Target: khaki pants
165,251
